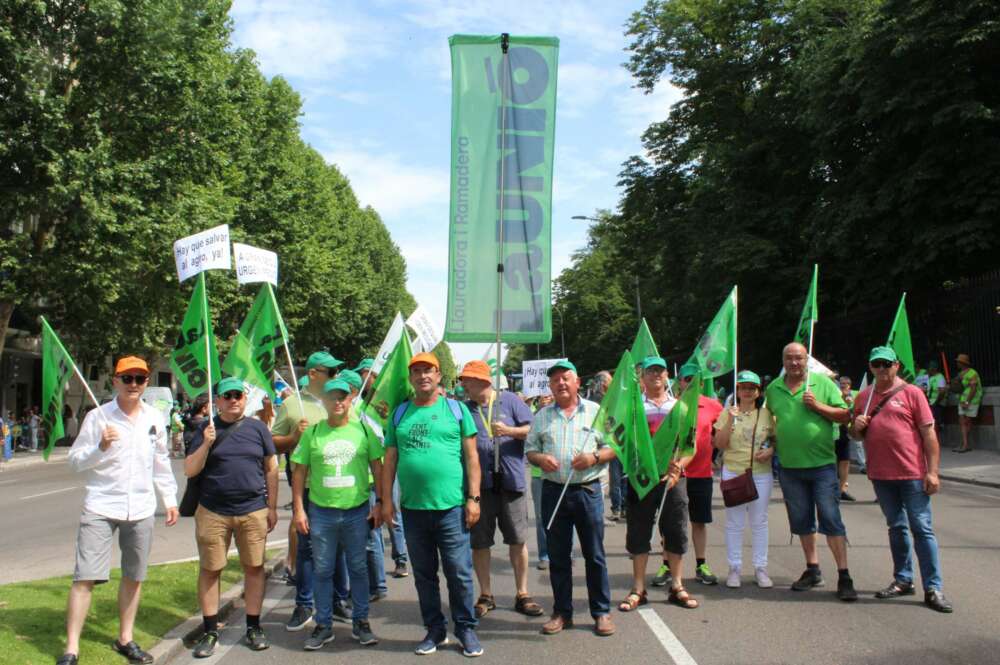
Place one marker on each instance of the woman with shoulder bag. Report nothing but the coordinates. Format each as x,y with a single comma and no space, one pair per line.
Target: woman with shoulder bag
743,433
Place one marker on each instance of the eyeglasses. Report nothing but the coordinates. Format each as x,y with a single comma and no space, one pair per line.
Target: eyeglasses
129,379
232,395
881,364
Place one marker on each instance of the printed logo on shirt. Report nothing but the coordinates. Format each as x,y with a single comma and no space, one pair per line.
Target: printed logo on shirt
339,453
418,435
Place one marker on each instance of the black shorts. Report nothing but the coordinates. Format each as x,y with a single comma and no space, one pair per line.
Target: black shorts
843,446
699,491
673,520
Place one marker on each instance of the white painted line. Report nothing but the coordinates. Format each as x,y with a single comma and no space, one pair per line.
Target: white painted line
232,551
6,482
64,489
670,643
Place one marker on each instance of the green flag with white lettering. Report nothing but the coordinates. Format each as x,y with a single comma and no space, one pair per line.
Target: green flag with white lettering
252,356
57,367
503,112
716,350
899,341
677,431
190,360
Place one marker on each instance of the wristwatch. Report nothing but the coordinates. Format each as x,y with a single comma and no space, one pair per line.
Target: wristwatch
473,498
597,458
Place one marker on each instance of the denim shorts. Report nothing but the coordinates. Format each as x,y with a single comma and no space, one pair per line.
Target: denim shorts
811,491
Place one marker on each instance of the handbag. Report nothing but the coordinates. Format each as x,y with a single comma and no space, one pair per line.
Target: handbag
741,489
192,491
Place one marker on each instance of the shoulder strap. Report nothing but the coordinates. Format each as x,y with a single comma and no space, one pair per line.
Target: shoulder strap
397,415
884,400
753,437
456,409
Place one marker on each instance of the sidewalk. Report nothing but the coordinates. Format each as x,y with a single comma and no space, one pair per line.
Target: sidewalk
979,467
23,459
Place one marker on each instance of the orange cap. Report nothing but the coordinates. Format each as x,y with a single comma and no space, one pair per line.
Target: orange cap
131,363
428,358
476,369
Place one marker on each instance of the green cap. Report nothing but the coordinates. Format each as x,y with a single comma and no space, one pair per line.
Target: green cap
352,378
460,390
323,359
229,383
689,369
337,384
364,365
882,353
562,364
746,376
303,381
654,361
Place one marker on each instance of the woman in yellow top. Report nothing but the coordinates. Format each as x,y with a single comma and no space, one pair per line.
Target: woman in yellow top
969,400
743,432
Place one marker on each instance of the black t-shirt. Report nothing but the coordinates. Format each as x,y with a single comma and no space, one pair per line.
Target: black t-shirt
233,480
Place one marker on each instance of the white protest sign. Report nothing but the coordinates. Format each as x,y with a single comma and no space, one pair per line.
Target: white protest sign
255,401
255,265
388,344
423,325
161,399
535,377
208,250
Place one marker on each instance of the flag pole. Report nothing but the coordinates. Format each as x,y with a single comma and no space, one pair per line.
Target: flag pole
812,324
736,318
504,87
590,430
208,342
295,381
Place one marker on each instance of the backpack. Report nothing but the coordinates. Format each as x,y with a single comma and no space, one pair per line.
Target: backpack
456,410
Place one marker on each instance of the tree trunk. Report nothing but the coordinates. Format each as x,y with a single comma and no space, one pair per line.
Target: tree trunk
6,310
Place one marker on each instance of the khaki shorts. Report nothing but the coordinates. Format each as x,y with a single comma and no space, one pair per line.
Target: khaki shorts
972,411
214,534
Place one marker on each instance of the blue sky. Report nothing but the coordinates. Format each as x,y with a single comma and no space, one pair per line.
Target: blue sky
376,84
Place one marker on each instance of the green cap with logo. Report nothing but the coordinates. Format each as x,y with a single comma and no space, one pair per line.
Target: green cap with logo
746,376
337,384
882,353
562,364
352,378
323,359
653,361
689,369
365,365
229,383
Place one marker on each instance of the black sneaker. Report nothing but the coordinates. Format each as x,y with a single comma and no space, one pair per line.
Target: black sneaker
206,645
67,659
845,589
935,600
341,612
896,589
321,636
846,496
133,652
810,578
362,632
299,619
256,639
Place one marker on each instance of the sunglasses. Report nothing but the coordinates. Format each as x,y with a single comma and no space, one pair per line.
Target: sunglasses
332,396
881,364
232,395
129,379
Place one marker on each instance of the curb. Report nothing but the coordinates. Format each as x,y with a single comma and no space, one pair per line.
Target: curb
969,481
177,638
16,464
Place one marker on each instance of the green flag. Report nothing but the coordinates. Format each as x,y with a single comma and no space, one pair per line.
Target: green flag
716,350
252,356
643,346
392,386
810,312
899,340
57,366
503,112
188,359
622,421
678,429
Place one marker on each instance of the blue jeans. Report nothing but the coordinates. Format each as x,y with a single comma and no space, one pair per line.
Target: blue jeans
304,569
582,508
907,508
376,557
332,530
536,499
396,539
618,485
434,533
809,492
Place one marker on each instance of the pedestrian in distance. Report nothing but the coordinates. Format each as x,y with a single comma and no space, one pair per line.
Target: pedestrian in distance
937,394
502,423
431,442
238,468
337,454
970,396
806,406
743,432
122,447
843,444
567,449
903,458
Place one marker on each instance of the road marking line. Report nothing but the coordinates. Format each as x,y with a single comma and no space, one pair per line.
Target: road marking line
5,482
669,641
64,489
232,551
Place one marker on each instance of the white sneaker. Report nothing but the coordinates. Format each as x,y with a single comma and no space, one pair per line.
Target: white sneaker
733,581
763,581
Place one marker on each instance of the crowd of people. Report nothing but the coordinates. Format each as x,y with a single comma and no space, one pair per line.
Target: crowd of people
445,475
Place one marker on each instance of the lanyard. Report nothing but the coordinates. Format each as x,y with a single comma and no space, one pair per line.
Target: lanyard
488,417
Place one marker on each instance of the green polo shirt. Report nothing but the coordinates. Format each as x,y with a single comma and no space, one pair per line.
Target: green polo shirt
804,439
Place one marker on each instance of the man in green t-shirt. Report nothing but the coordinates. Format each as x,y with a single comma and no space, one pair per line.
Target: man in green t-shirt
431,440
806,406
937,394
969,399
337,454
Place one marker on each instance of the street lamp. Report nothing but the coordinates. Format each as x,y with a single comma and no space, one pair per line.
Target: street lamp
638,301
562,328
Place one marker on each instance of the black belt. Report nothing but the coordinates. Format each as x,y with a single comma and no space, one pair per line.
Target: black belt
589,482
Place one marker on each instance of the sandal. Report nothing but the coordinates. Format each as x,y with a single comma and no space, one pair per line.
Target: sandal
527,606
632,601
484,605
681,598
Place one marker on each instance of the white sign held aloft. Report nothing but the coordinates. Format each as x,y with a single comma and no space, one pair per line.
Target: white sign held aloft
208,250
535,377
423,325
255,265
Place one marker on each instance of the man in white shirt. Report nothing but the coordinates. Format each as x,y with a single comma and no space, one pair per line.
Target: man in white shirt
123,447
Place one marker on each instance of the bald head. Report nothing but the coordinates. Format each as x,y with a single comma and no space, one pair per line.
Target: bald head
794,359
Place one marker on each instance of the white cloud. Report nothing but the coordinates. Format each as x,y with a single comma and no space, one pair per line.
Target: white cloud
636,110
585,87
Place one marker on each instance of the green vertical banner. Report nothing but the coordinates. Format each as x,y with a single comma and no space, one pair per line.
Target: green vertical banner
188,359
899,341
503,113
810,313
57,367
252,356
